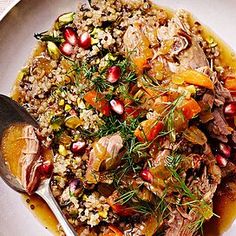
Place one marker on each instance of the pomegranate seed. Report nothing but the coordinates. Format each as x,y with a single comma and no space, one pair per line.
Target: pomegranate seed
74,184
222,162
225,149
230,109
146,176
113,74
46,168
70,36
76,187
117,106
78,147
84,40
66,48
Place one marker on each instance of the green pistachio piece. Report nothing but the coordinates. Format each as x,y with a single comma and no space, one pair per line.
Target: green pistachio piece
64,20
53,50
73,122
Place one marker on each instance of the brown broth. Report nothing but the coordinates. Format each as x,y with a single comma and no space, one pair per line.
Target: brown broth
224,206
12,142
42,212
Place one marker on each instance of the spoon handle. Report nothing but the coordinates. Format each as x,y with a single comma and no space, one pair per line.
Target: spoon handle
44,192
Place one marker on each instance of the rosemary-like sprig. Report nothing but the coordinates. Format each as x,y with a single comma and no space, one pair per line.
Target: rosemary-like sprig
45,36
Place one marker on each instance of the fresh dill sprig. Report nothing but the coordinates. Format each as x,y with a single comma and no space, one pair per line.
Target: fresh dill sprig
197,225
182,187
124,64
131,77
126,196
85,70
173,161
100,84
193,201
123,90
170,113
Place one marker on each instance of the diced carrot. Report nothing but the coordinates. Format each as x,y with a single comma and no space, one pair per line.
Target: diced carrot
140,63
119,209
116,231
98,101
148,130
196,78
190,108
230,83
132,112
146,53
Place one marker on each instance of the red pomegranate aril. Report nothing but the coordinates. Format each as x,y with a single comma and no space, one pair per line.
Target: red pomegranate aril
78,147
70,36
66,48
46,168
73,185
230,109
222,162
146,176
225,150
113,74
84,40
117,106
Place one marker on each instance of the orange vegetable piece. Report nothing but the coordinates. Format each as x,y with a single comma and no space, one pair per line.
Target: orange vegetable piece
98,101
132,112
118,208
195,78
148,130
115,231
190,108
150,226
230,83
140,63
145,53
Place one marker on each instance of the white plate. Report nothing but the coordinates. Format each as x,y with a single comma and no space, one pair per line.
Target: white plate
16,44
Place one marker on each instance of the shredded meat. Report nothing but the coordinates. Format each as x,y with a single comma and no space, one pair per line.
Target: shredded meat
180,224
205,182
186,46
194,57
107,149
218,127
222,94
208,99
234,136
229,170
30,160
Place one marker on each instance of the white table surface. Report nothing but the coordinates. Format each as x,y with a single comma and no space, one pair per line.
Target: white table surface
5,6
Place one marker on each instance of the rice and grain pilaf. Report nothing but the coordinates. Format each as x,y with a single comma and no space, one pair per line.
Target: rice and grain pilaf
131,101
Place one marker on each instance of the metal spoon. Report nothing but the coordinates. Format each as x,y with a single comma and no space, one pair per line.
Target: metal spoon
10,113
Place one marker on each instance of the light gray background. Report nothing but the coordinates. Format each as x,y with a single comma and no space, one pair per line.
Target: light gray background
16,44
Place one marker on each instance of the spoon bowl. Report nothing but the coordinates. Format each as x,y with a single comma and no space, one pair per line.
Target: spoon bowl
11,113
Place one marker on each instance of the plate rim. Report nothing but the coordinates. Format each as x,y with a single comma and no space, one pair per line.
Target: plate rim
8,8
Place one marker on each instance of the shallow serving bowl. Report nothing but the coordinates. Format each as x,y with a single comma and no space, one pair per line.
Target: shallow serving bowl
16,43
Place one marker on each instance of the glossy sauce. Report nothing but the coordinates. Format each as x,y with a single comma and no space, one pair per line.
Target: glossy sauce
224,206
42,212
12,142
